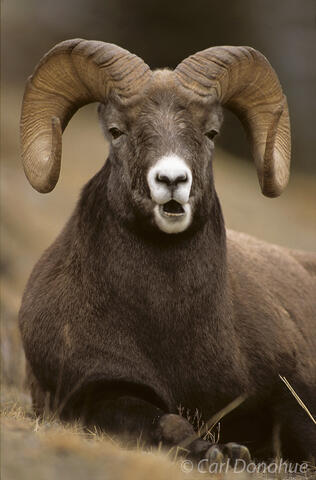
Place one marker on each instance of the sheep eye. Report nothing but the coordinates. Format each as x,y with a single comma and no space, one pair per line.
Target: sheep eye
211,134
115,132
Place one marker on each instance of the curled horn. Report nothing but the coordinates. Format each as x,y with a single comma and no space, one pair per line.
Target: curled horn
72,74
243,80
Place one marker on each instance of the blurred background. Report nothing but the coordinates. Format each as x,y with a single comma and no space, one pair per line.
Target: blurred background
162,33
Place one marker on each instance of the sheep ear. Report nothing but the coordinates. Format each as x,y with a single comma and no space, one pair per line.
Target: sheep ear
71,75
243,80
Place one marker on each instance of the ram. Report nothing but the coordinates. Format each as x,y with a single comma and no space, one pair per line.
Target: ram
145,302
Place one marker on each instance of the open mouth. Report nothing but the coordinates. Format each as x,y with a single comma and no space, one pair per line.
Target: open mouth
172,209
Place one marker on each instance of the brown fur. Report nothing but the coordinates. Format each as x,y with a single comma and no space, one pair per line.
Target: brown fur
122,323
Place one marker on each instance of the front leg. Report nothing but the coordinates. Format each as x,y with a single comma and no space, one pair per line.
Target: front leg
134,418
130,418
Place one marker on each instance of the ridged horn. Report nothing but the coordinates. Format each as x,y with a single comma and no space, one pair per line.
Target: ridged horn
74,73
243,80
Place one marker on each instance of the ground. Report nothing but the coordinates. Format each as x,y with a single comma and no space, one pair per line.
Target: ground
34,449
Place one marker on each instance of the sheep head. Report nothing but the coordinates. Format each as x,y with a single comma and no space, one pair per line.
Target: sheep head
161,124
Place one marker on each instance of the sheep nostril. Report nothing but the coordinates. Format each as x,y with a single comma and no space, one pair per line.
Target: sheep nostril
171,181
163,179
181,179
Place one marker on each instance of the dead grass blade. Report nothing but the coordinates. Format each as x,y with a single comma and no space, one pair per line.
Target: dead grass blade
214,420
297,398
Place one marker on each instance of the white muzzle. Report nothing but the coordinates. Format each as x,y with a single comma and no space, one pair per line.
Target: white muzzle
170,181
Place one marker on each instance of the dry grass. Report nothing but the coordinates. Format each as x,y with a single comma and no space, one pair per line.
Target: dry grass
206,430
34,449
297,398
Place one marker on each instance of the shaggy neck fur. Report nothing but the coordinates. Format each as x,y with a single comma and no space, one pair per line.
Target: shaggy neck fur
169,283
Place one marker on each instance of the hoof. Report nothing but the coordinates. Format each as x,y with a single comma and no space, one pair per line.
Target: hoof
235,452
214,455
218,453
231,452
172,429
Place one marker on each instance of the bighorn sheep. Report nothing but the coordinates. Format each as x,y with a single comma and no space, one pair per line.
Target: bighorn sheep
145,301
